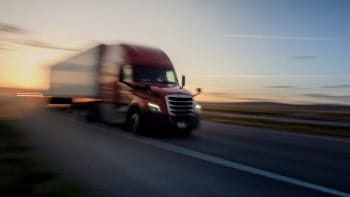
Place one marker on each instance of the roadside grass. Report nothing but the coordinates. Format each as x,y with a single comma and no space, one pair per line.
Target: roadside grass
281,110
21,173
281,126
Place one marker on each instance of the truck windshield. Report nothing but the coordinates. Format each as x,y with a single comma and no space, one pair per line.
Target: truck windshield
154,74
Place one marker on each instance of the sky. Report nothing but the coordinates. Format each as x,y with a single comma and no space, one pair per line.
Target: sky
245,50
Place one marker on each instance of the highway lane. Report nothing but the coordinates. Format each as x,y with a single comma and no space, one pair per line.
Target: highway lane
321,160
110,162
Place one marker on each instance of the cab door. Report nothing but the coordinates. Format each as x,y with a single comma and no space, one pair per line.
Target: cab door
125,85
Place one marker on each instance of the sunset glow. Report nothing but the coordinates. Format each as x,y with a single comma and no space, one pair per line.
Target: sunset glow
282,51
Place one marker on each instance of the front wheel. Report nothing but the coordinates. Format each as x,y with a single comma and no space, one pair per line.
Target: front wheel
185,132
134,121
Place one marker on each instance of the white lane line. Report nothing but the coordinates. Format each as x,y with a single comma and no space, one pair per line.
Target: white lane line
234,165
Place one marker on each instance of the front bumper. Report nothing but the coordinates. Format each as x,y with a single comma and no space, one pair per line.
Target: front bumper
176,122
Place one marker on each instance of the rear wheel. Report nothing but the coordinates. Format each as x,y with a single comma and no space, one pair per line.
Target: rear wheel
86,112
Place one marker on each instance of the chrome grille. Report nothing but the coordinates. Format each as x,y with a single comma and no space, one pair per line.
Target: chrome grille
179,105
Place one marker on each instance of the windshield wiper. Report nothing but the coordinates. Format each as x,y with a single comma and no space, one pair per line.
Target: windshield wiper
155,81
144,80
167,82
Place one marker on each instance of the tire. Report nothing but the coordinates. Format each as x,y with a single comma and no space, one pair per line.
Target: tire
94,113
186,132
134,121
86,113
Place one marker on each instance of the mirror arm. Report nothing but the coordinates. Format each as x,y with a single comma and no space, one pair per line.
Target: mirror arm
199,91
183,81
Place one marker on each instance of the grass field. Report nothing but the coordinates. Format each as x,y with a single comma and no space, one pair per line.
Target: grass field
330,113
279,109
22,173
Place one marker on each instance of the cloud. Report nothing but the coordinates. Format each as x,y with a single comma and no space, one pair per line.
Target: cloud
11,28
303,57
252,99
21,38
3,50
45,45
277,37
329,96
337,86
5,47
272,76
281,86
219,94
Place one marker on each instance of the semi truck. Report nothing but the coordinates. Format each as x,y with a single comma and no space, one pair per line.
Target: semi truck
125,84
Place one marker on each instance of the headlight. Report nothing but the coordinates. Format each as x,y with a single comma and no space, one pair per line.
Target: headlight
197,107
153,107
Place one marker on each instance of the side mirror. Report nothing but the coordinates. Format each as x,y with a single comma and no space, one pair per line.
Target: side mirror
199,91
183,81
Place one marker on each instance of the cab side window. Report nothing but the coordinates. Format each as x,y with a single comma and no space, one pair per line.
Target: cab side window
126,75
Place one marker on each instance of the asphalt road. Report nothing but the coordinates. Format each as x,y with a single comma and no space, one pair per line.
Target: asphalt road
217,160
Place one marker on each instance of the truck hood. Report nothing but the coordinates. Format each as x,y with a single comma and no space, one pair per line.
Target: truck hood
164,90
